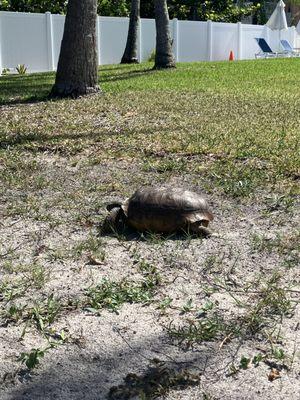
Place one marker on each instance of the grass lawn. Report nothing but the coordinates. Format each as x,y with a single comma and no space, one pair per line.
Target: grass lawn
236,124
76,302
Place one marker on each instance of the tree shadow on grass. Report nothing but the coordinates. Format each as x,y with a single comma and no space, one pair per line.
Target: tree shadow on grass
35,98
44,142
115,67
126,75
123,371
25,89
34,88
47,142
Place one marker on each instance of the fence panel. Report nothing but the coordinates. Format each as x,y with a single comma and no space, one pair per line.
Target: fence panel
225,39
192,38
24,41
147,38
35,40
249,44
113,35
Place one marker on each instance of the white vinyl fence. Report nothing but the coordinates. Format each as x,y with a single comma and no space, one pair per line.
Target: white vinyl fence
34,40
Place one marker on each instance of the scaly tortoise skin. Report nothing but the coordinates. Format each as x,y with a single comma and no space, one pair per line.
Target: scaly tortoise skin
161,210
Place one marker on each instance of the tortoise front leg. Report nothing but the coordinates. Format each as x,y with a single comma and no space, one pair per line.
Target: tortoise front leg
114,221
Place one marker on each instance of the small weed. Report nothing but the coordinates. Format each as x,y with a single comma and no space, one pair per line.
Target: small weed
267,358
96,259
91,245
32,358
202,311
197,331
37,276
207,396
233,370
187,307
244,362
257,359
262,243
152,55
164,304
21,69
44,313
278,353
12,313
5,71
11,290
150,273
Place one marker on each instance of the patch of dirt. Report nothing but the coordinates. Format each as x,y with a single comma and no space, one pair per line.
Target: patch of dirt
247,269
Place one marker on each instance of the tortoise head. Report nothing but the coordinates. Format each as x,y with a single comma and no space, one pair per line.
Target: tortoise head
111,206
200,228
115,219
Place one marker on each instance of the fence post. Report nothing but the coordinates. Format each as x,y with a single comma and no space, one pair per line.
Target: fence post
239,41
98,36
294,33
49,36
209,40
266,29
175,38
140,43
1,66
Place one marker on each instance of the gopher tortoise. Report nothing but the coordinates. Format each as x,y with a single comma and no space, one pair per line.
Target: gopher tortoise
161,210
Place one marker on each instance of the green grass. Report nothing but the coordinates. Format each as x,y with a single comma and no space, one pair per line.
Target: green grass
232,124
112,295
253,78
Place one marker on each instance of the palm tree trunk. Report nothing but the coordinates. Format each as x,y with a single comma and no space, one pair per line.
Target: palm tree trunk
130,54
164,57
77,71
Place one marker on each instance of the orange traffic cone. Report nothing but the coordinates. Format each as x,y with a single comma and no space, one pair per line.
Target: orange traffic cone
231,56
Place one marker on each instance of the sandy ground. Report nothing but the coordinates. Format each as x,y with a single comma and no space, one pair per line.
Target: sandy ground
101,350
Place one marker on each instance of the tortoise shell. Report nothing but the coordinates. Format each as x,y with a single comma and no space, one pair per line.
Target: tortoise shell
166,209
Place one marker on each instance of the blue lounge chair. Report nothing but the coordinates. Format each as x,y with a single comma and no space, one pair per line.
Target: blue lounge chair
289,49
266,51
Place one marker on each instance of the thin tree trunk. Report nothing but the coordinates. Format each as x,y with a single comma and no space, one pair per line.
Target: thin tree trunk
295,13
193,13
164,57
77,71
131,50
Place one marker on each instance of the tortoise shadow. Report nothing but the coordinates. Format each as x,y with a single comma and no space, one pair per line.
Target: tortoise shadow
128,234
